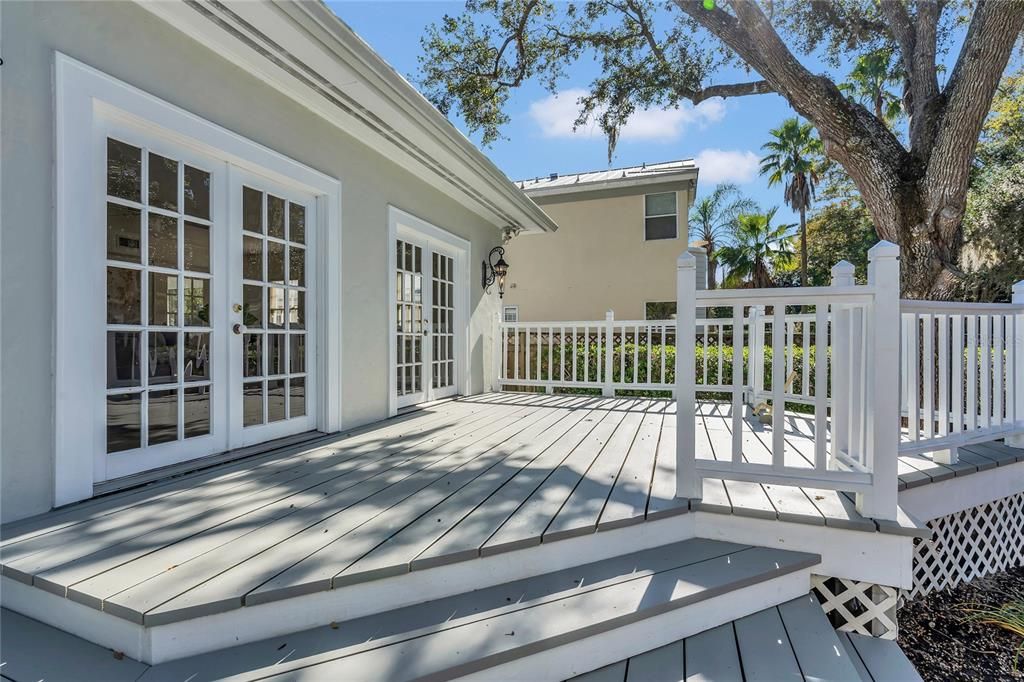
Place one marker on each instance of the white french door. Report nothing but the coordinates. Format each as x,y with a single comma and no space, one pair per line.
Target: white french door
429,324
273,366
210,307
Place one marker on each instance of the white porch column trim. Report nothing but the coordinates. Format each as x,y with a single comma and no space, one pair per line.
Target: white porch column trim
1017,409
688,482
882,408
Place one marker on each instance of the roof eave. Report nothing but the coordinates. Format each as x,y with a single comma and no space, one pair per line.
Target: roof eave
306,52
622,183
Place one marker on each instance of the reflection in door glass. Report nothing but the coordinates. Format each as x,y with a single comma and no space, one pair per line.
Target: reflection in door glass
159,339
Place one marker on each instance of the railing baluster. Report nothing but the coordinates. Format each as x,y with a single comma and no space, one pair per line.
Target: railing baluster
780,354
943,374
985,374
913,413
928,386
957,385
515,357
737,382
650,342
664,379
805,378
972,372
820,385
636,349
997,370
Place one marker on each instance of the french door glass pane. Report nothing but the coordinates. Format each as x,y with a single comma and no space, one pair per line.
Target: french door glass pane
273,307
409,317
153,302
442,314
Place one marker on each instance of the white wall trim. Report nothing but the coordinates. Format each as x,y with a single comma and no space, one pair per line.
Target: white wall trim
401,223
85,98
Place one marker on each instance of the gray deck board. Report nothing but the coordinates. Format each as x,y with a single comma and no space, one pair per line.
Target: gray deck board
219,563
851,651
525,527
579,514
230,588
817,648
616,672
664,664
89,510
793,641
765,648
712,656
30,650
627,503
663,502
884,659
468,536
459,649
394,555
209,541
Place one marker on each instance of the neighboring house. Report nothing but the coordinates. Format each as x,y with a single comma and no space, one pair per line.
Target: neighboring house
221,227
613,225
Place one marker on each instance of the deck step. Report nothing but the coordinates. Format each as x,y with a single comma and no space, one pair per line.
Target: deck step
511,630
793,641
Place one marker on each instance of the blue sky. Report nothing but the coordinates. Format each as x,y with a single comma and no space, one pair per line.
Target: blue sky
724,136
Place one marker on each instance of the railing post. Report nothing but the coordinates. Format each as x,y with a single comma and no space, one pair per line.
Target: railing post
688,482
498,344
842,276
609,354
1016,410
883,388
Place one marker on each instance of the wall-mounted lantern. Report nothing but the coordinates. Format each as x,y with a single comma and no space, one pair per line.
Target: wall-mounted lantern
494,270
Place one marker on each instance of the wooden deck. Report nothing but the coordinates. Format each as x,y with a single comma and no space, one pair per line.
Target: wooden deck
459,480
793,641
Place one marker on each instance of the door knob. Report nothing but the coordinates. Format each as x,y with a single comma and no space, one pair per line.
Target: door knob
237,328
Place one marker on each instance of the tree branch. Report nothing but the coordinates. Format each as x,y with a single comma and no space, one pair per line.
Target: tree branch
994,29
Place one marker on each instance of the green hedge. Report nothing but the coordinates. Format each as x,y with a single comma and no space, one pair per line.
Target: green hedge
587,354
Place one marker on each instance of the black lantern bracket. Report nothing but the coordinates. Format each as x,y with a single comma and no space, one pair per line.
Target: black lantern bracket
494,269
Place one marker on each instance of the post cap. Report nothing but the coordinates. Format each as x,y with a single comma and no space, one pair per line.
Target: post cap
1018,288
843,267
610,315
686,260
883,249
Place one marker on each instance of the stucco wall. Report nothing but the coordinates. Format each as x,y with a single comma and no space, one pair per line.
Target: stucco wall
132,45
597,261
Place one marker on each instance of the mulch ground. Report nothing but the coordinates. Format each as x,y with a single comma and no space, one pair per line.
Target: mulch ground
943,646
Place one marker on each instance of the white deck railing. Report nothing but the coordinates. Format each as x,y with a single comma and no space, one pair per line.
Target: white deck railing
855,439
860,360
962,369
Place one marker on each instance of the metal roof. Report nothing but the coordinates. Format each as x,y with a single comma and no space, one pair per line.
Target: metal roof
643,174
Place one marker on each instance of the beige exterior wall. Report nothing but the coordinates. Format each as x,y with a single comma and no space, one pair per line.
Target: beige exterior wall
132,45
598,260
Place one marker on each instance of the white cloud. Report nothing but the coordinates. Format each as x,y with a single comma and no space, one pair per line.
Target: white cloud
555,115
719,165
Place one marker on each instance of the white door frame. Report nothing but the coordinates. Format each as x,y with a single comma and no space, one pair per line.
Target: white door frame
85,100
402,224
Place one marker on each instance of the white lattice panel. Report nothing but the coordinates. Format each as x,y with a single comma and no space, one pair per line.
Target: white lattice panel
970,544
861,607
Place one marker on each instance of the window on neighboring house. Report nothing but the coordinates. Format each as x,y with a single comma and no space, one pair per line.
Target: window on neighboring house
510,313
660,216
660,310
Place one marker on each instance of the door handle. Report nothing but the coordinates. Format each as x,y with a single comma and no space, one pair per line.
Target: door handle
426,327
237,328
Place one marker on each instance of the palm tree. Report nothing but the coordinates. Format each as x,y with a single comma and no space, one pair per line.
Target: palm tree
794,158
868,84
757,251
711,219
